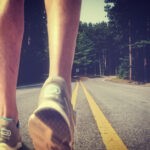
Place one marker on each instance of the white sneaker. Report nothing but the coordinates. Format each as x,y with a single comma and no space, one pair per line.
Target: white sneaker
9,135
51,126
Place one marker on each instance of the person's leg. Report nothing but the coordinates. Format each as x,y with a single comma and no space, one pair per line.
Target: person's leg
11,33
63,20
52,122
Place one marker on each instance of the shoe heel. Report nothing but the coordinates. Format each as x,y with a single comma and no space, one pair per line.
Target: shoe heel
48,130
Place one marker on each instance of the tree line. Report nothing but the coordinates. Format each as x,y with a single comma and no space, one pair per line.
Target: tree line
96,53
131,21
118,47
121,46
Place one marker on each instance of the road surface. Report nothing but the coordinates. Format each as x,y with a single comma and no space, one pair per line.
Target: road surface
109,116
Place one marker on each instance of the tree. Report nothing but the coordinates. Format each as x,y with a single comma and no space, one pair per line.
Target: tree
84,56
96,49
34,56
131,19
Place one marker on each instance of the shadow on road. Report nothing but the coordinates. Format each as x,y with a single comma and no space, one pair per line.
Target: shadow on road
30,86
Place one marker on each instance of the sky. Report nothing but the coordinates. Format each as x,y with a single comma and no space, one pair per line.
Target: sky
93,11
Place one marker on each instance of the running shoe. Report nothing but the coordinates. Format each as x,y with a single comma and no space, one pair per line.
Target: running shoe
10,138
51,126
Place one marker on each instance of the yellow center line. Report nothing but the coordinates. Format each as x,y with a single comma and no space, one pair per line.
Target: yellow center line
74,95
110,138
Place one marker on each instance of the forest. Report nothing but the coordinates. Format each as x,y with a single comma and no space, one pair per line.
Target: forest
118,47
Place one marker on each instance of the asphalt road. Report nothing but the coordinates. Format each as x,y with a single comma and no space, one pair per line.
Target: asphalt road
126,107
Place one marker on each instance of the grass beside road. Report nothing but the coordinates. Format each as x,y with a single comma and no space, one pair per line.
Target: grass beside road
125,81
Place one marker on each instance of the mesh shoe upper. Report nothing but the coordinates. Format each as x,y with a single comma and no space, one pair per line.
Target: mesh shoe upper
51,125
55,90
9,133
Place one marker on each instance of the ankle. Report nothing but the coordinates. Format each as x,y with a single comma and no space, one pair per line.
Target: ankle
9,114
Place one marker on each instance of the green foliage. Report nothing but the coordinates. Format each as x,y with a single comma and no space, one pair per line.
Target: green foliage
99,46
123,71
131,20
141,44
84,50
97,49
34,56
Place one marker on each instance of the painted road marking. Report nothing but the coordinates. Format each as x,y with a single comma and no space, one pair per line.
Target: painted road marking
109,136
74,95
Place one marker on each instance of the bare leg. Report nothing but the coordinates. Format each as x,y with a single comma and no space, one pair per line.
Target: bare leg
63,20
11,32
54,112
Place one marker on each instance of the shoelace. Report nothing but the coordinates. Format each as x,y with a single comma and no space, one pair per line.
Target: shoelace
5,134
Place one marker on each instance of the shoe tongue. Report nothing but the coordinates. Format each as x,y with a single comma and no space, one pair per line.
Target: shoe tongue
56,80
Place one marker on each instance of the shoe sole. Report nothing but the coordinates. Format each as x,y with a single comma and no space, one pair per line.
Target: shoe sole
49,129
4,146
